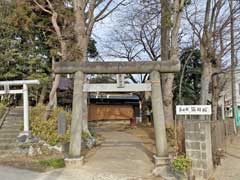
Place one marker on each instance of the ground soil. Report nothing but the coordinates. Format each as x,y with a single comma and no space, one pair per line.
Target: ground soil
32,162
229,168
125,153
145,133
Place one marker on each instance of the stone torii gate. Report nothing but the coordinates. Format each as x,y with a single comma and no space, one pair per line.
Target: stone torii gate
153,67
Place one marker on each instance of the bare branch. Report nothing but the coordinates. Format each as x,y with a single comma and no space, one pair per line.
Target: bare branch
101,14
43,8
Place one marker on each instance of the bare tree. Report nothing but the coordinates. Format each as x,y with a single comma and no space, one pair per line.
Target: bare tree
80,19
171,14
152,31
212,31
48,7
86,14
138,38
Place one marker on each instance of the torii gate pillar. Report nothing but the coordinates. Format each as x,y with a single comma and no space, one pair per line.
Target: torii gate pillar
77,116
161,158
25,109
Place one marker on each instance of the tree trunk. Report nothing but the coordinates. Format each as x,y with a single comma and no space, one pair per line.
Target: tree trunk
205,47
42,94
215,95
205,81
167,82
165,29
52,96
82,40
170,21
165,43
63,47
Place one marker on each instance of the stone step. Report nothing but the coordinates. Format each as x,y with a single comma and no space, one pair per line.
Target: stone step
8,118
15,113
7,140
14,126
9,131
5,146
14,123
7,151
11,127
9,135
16,109
10,124
14,120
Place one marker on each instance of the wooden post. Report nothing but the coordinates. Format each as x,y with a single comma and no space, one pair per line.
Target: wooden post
159,121
77,118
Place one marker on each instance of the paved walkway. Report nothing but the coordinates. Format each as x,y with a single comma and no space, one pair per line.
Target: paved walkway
121,157
230,168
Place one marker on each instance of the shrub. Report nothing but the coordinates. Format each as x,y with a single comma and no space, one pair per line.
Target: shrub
85,135
3,108
171,139
181,164
55,163
47,130
176,139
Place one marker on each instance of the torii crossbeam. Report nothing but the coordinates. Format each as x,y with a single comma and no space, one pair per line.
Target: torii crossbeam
117,67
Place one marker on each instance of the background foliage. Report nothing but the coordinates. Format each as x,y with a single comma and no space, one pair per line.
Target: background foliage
190,58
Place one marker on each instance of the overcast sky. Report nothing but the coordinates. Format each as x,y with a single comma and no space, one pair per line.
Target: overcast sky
103,30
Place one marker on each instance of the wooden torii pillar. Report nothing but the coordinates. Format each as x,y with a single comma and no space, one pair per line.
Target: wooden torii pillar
152,67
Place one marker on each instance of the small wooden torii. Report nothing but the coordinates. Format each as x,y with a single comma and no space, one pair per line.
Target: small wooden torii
152,67
24,91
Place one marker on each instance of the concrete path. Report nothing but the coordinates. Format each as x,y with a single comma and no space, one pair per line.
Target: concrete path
121,157
230,168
